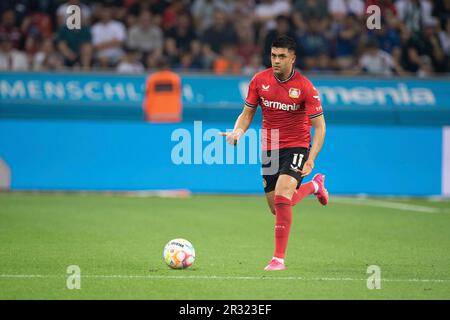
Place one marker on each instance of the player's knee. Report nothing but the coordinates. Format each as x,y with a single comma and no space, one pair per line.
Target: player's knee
284,191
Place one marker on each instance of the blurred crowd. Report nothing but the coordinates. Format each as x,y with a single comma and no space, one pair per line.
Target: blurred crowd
226,36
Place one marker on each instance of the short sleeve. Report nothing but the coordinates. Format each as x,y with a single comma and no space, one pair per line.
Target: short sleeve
313,105
252,95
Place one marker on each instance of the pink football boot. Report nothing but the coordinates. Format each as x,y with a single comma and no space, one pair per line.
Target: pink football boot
275,265
322,193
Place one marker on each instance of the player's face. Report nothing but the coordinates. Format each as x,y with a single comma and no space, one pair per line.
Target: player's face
282,61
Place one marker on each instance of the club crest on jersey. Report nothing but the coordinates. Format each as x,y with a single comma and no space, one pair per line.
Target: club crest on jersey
294,93
265,87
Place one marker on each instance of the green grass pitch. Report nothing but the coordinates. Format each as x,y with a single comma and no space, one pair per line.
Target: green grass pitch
117,242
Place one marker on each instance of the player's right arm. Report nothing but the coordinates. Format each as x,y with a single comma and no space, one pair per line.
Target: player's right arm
245,118
242,123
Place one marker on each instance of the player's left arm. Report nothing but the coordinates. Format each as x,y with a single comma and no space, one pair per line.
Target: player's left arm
315,113
319,136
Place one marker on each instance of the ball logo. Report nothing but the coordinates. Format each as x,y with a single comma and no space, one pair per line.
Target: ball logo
179,254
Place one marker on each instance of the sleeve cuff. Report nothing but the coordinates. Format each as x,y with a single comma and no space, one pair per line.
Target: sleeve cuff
251,105
315,115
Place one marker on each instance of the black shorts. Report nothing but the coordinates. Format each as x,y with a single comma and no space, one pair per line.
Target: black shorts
283,161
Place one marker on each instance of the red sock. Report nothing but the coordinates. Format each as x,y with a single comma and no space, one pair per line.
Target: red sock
304,191
283,221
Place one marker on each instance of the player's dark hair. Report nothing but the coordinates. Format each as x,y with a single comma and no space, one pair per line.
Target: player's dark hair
285,42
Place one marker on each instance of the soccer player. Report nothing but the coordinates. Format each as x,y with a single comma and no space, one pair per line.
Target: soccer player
290,105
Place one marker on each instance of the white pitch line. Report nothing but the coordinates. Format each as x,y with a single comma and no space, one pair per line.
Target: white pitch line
12,276
386,204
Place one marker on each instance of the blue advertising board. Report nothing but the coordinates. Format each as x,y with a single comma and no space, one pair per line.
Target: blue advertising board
213,98
100,155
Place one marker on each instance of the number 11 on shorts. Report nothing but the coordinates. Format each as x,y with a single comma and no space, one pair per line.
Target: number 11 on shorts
298,157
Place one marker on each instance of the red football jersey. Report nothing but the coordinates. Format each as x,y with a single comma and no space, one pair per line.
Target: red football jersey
287,105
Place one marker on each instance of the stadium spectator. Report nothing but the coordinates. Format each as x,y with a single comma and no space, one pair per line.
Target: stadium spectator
313,45
387,7
108,37
337,32
282,27
227,62
227,6
47,58
185,63
37,23
203,13
146,36
444,38
156,7
170,53
347,36
19,7
179,44
375,61
118,8
388,38
191,60
9,29
75,47
311,9
183,33
33,44
339,9
219,34
267,11
195,52
244,10
254,65
424,46
11,59
413,13
171,14
130,62
441,10
246,46
265,16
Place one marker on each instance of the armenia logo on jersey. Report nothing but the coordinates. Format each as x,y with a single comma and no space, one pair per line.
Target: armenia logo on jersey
294,93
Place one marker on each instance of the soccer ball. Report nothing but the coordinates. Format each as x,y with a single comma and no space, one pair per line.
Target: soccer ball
179,254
